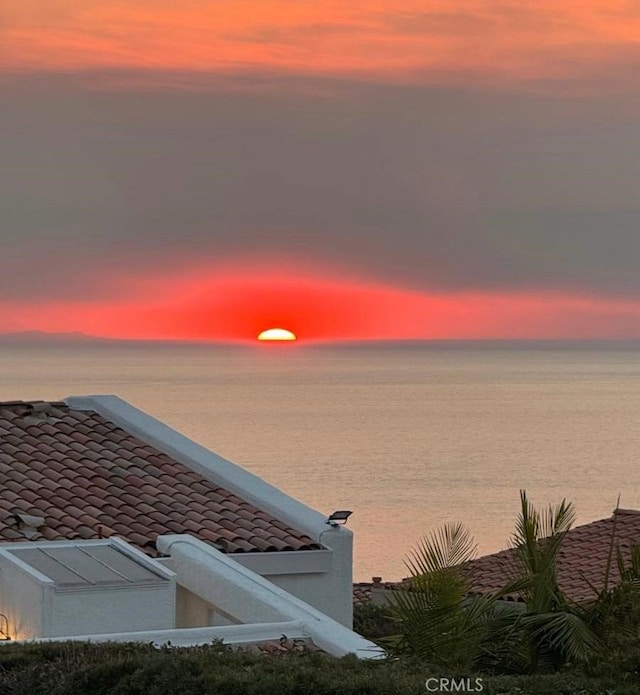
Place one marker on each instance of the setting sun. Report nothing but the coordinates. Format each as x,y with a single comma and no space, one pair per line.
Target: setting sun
277,334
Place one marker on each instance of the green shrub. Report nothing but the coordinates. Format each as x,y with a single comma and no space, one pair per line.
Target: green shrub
113,669
373,622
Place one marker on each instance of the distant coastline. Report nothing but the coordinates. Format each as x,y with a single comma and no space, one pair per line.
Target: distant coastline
77,338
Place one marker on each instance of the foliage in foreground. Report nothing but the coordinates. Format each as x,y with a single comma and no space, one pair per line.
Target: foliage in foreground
373,622
117,669
439,620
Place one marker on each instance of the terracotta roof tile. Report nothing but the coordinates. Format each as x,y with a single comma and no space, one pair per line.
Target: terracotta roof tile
190,525
90,478
361,593
582,560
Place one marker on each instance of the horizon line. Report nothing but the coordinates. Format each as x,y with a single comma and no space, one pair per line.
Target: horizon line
44,338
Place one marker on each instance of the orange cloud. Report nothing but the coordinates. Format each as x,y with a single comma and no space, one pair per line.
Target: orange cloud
392,38
236,305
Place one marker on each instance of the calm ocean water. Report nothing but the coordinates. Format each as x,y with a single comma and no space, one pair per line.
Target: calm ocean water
408,436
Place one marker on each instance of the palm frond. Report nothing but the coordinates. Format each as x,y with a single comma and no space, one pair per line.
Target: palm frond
533,524
563,632
629,571
612,542
448,546
432,612
537,540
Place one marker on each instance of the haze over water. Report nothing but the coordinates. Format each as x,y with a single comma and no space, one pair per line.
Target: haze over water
407,435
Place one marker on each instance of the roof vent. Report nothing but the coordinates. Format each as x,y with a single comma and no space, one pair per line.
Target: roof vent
28,524
37,413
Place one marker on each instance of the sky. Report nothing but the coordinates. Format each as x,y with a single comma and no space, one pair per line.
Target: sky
207,170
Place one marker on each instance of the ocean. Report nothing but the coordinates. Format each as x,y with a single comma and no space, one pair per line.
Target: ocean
407,435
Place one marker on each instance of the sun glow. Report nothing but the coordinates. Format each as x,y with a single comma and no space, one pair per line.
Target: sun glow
235,303
277,334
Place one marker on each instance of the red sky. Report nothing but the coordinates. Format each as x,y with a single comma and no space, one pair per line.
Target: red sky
343,169
230,306
401,39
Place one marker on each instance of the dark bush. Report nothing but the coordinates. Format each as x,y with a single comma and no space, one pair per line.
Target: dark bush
113,669
373,622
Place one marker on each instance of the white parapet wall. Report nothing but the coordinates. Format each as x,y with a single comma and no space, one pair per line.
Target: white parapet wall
230,635
250,598
321,578
60,588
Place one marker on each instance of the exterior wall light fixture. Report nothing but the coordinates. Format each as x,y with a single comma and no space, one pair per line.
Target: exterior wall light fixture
338,518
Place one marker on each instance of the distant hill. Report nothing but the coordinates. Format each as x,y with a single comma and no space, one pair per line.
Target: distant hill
35,338
44,338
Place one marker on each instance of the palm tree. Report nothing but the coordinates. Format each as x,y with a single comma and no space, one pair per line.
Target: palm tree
552,629
437,619
615,612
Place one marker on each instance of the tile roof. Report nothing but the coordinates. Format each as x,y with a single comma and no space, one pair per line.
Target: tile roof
582,560
68,473
363,592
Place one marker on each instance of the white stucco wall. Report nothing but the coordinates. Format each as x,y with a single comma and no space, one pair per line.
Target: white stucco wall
210,582
249,598
192,611
320,578
37,607
329,588
24,600
99,611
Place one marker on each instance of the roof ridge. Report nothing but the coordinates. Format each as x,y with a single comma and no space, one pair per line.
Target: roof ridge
36,401
510,549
